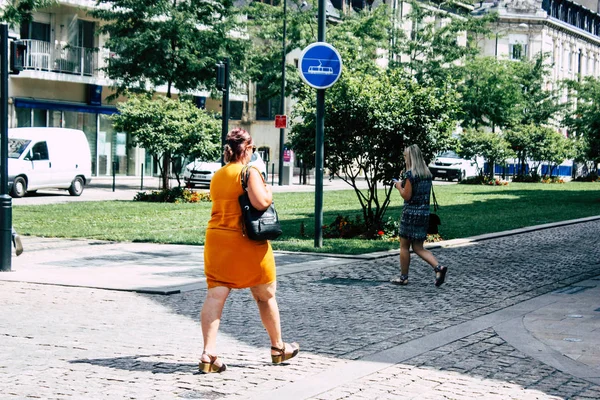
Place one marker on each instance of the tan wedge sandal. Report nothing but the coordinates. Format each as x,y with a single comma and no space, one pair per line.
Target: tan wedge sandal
281,357
209,367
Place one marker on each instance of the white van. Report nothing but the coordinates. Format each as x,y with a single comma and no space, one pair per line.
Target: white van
48,158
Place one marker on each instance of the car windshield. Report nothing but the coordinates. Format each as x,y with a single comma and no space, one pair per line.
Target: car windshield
16,147
448,154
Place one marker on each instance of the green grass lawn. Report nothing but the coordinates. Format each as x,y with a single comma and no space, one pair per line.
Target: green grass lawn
466,210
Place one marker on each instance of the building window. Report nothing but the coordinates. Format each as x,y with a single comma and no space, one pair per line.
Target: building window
36,31
570,60
23,117
266,109
236,108
271,2
518,51
39,118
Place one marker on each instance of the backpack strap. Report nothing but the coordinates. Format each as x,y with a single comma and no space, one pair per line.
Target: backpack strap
245,175
435,203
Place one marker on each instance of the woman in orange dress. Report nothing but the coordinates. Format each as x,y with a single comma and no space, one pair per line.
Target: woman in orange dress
231,260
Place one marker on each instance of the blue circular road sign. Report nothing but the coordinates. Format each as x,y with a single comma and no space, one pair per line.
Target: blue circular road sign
320,65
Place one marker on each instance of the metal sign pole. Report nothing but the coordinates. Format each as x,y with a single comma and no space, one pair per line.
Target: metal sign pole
223,86
319,147
282,108
5,199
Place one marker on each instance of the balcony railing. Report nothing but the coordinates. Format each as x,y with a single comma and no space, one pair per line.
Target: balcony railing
44,56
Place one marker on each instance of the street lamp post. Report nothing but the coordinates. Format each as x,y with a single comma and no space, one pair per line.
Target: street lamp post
282,109
5,199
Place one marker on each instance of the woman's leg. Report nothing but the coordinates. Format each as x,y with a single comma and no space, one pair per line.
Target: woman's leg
404,256
210,318
426,255
16,239
264,295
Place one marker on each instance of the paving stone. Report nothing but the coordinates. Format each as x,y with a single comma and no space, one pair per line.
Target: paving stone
102,343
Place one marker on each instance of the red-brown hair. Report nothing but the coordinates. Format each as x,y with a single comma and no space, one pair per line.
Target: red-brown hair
235,144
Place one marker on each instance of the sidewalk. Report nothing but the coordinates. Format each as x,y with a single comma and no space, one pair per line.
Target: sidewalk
519,318
126,187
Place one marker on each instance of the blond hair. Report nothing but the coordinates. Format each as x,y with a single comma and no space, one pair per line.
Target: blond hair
415,162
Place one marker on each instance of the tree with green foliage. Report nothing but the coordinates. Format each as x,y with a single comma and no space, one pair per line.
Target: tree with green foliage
20,12
539,104
490,94
170,42
504,94
264,57
521,140
358,37
168,128
584,120
550,147
371,117
493,147
432,49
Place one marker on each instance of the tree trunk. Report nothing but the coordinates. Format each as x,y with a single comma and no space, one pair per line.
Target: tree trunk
166,171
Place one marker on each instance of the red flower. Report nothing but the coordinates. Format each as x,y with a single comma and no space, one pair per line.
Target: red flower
380,233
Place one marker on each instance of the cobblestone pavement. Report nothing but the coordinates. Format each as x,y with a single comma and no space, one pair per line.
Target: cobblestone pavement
79,343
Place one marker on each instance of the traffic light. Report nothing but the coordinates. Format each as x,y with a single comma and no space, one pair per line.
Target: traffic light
17,56
220,76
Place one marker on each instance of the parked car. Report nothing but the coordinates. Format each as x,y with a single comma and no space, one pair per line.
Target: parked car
200,173
48,158
451,166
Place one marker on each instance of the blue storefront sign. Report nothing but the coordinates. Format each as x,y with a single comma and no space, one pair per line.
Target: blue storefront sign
320,65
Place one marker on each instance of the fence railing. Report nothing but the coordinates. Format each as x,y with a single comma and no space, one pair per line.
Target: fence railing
44,56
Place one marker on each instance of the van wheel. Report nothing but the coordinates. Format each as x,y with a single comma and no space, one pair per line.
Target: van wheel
76,187
19,188
463,175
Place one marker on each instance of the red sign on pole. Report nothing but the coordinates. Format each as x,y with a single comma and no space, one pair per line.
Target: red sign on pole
281,121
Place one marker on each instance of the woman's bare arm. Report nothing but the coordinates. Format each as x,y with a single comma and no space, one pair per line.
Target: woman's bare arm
259,192
406,191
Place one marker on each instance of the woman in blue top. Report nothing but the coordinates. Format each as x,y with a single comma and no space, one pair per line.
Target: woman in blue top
415,189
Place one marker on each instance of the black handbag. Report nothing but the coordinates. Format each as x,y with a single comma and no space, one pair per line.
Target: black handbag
434,219
257,225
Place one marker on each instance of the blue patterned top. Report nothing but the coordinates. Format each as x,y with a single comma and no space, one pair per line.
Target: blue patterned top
415,213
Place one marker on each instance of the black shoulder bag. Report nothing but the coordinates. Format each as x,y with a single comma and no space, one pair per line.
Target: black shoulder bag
257,225
434,219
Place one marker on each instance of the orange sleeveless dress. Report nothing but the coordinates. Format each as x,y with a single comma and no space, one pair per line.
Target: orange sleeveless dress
231,259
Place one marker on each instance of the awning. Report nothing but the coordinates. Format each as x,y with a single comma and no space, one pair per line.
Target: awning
63,106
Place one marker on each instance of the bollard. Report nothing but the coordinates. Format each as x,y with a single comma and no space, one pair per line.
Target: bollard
114,165
272,174
142,182
5,232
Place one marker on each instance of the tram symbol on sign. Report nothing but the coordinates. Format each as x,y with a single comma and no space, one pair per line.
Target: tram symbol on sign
319,69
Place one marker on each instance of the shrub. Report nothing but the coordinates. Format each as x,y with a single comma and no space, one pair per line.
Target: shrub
552,179
483,180
173,195
391,229
591,177
473,180
344,227
496,182
527,178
